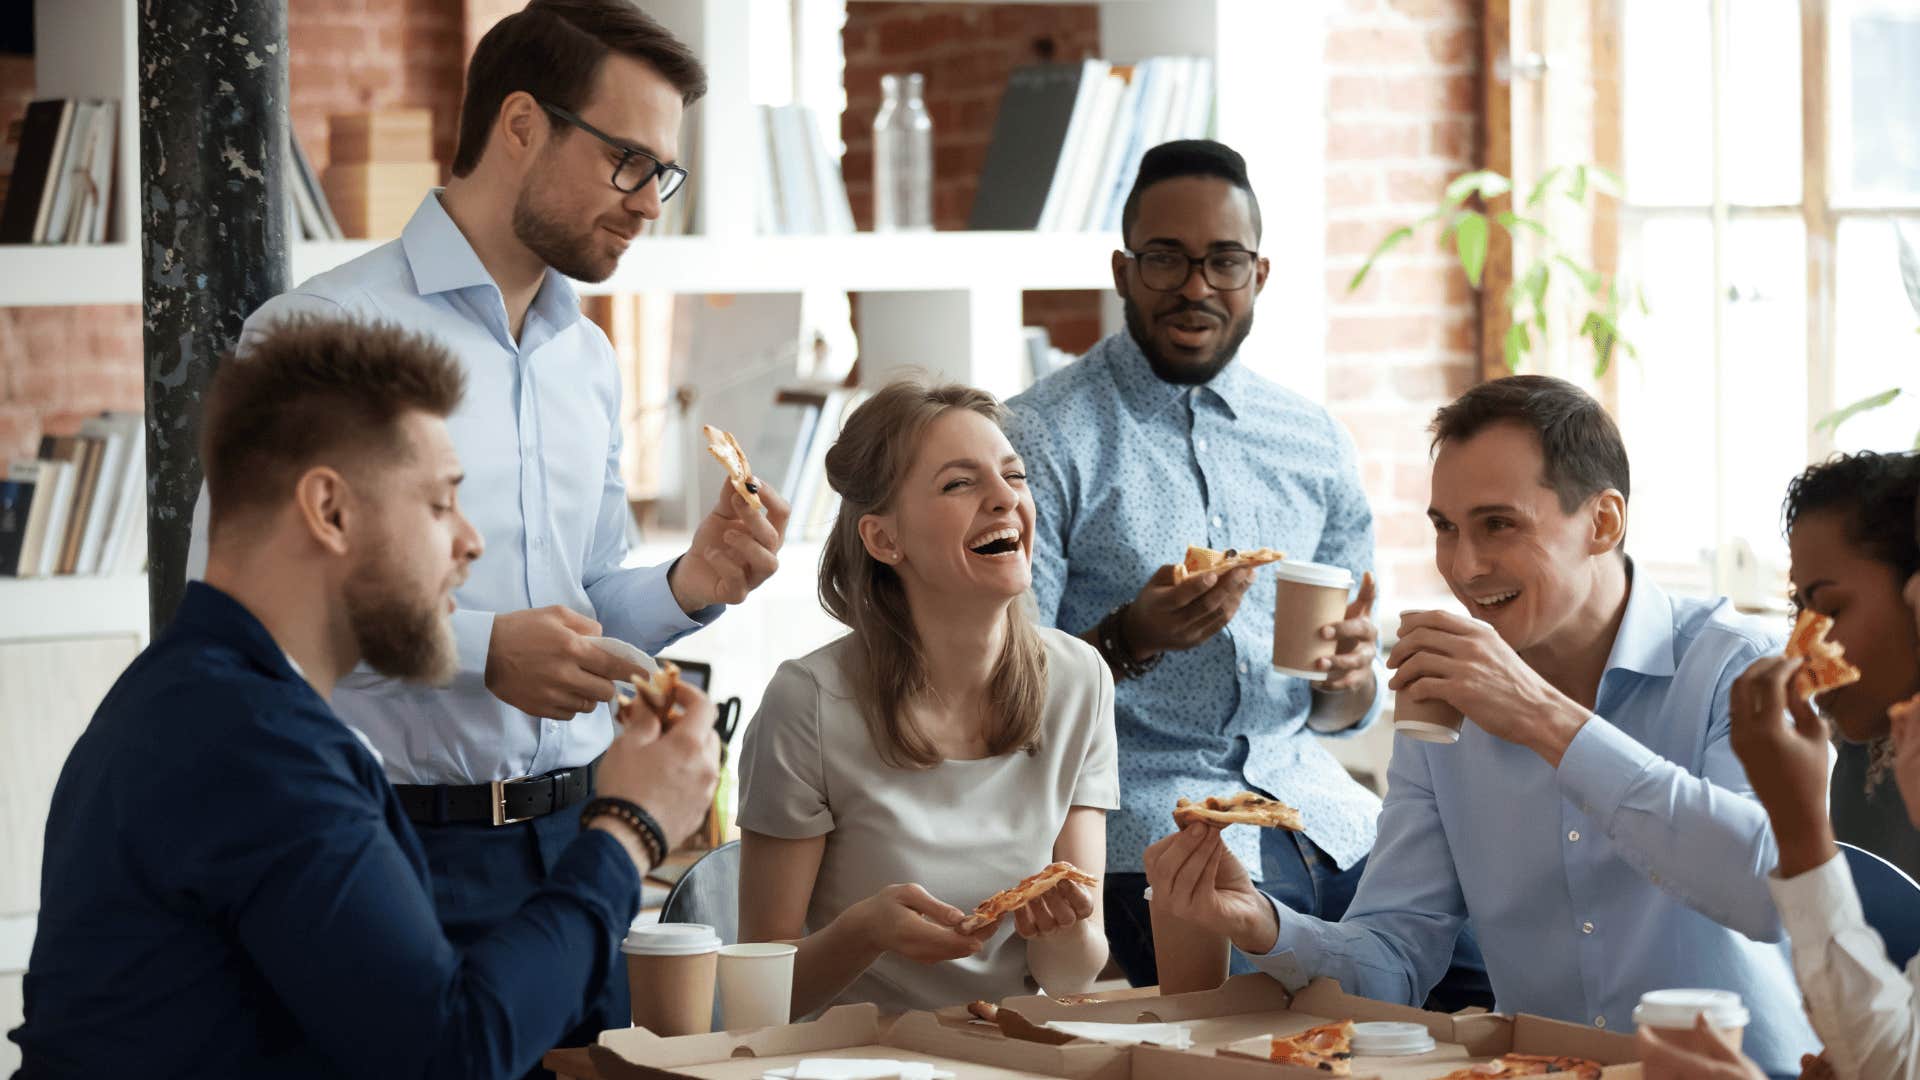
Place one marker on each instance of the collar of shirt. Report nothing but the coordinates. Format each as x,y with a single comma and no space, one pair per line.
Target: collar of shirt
1146,393
1645,642
442,260
217,615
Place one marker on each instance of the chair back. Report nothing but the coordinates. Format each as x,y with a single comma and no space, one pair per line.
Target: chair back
709,893
1891,901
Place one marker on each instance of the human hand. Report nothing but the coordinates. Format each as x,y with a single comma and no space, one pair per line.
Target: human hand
1782,743
1196,879
542,662
1467,664
1169,617
734,551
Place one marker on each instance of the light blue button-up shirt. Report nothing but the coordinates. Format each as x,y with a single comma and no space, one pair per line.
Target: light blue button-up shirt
539,436
1639,864
1126,471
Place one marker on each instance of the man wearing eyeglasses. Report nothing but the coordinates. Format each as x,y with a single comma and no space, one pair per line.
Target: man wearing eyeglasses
568,136
1159,439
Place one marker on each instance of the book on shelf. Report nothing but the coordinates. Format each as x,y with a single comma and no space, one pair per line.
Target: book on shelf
16,506
800,188
310,210
87,514
1069,138
62,181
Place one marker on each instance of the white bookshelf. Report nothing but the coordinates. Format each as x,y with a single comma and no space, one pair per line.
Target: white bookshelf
70,606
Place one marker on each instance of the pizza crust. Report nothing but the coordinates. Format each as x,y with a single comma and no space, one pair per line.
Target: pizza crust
726,450
1007,901
1328,1048
1246,808
985,1010
662,687
1528,1065
1825,667
1201,560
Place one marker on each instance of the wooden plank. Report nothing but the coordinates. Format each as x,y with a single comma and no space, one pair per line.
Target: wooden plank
1609,152
1821,223
1496,96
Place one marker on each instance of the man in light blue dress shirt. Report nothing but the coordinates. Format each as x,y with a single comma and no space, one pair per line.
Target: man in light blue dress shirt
1158,439
1592,820
568,132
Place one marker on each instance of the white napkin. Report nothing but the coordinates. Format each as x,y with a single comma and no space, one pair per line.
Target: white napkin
858,1069
1171,1036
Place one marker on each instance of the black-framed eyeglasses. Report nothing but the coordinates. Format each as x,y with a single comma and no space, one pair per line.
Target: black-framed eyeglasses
636,168
1166,270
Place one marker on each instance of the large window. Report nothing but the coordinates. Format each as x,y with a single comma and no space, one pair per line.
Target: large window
1770,149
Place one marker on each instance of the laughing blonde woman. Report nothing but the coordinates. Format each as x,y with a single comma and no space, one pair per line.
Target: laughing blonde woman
944,749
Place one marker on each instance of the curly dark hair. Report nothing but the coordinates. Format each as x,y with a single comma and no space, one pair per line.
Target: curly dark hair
1878,494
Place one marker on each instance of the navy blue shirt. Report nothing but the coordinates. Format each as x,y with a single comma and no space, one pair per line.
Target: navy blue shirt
230,888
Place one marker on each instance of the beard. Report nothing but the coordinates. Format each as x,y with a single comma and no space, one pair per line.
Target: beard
400,632
1186,373
550,237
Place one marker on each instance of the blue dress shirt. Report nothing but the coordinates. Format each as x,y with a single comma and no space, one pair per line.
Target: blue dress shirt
539,435
1126,471
1640,864
231,889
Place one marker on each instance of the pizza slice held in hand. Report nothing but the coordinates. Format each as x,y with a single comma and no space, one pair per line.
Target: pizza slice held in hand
1200,560
726,450
1008,901
655,694
1245,808
1825,665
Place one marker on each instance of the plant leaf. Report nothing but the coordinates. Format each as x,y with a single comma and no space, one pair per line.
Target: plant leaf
1508,220
1483,182
1832,421
1470,239
1587,275
1517,345
1607,181
1546,181
1578,192
1394,239
1909,268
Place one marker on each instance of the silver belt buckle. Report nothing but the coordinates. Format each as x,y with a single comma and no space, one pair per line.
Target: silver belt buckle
498,791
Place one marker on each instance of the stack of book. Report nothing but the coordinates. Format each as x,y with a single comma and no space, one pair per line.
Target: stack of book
379,166
62,182
1069,139
800,187
81,506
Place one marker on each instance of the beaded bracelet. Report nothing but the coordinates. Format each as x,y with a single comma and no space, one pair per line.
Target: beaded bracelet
1117,650
652,836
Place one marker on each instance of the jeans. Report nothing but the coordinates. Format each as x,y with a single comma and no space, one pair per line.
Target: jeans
1305,879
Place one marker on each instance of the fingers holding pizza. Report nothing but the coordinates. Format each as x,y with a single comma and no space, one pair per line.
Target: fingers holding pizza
1059,908
908,921
1175,612
1197,880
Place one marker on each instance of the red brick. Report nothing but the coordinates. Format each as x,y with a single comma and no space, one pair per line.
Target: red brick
1454,140
1355,93
1350,380
1434,9
1375,46
1352,141
1381,333
1348,188
1413,481
1433,93
1422,186
1456,45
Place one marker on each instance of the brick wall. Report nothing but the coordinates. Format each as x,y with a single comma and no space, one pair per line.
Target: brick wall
1403,116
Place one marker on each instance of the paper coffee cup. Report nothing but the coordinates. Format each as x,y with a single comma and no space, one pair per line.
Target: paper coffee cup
1672,1013
1432,720
756,985
1189,959
1306,597
670,977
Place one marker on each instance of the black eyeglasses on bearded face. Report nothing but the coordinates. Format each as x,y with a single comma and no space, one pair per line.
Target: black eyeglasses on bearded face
635,168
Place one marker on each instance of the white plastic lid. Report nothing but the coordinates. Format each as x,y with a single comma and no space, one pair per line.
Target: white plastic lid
670,939
1387,1038
1678,1008
1148,895
1309,573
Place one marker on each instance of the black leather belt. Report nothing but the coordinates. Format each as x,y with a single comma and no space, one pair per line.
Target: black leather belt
501,802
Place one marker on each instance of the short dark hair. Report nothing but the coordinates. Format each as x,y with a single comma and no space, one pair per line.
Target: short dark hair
311,391
553,50
1188,157
1581,450
1876,496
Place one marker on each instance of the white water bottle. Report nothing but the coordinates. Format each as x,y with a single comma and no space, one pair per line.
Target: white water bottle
902,157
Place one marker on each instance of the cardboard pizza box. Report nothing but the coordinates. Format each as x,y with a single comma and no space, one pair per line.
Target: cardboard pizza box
850,1031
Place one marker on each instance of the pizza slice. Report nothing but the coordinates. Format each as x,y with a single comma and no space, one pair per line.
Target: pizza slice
1007,901
984,1010
655,694
1245,808
1825,666
1328,1048
726,450
1200,560
1528,1065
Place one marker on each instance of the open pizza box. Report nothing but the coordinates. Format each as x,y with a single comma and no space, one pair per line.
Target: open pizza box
1236,1022
850,1032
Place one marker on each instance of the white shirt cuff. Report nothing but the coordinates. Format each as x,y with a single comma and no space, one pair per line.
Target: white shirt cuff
1818,905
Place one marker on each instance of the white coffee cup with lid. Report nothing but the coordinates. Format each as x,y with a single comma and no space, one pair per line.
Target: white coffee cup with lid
1672,1014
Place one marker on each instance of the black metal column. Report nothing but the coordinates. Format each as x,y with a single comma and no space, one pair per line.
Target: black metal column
213,231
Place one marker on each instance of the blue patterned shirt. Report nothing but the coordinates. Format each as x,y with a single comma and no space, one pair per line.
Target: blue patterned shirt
1128,470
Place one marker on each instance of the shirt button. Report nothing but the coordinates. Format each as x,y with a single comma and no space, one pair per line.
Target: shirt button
1243,667
1573,835
1586,928
1200,443
539,541
1218,521
1599,1021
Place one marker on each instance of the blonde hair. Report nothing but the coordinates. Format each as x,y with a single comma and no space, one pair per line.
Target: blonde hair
886,667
